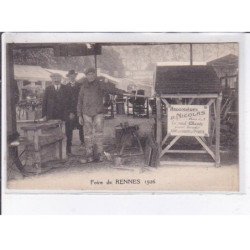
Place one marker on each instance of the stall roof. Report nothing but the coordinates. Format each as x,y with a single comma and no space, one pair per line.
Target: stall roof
186,80
228,60
176,63
37,73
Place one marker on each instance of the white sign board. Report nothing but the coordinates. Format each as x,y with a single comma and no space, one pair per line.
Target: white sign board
188,120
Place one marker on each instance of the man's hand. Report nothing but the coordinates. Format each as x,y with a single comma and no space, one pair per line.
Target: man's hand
71,116
80,120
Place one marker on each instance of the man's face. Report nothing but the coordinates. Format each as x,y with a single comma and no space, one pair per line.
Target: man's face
91,76
56,80
72,77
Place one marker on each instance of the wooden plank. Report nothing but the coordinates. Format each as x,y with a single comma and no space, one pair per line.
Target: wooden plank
224,105
165,139
211,101
204,145
165,102
130,154
203,139
215,112
209,123
135,95
212,134
136,137
125,138
186,163
174,151
151,153
177,96
169,145
190,101
36,140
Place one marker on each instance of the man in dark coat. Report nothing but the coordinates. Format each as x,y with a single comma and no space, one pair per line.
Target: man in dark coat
72,124
57,102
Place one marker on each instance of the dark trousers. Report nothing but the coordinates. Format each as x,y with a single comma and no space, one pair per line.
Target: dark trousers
70,125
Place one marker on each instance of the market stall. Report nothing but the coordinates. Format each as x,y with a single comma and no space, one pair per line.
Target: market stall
188,104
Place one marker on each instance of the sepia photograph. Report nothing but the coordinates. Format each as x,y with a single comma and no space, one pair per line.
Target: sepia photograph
119,116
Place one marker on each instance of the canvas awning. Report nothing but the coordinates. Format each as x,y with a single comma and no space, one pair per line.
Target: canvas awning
31,73
37,73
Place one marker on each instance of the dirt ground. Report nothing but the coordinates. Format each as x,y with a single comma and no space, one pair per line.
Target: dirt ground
132,174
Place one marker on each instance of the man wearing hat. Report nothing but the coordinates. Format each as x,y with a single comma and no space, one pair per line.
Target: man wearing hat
90,110
73,123
56,100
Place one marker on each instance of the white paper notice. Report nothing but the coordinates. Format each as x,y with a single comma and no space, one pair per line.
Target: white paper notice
188,120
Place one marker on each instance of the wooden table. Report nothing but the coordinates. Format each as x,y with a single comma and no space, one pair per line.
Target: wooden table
44,143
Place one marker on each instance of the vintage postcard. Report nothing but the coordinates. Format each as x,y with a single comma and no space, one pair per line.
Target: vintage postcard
120,112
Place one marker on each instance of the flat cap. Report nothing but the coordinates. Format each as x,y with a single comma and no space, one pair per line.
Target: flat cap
71,72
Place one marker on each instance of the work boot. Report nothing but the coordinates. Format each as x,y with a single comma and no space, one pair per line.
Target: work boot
87,160
98,158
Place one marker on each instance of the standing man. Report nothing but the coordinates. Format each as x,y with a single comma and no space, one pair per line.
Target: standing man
57,103
90,110
73,123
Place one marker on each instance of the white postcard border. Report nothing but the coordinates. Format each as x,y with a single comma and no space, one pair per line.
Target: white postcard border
53,202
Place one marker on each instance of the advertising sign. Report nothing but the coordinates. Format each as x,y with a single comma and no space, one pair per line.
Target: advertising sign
188,120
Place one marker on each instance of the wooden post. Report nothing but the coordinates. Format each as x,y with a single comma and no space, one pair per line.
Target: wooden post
217,132
11,100
112,109
10,94
158,123
226,82
191,54
95,63
60,149
147,102
37,153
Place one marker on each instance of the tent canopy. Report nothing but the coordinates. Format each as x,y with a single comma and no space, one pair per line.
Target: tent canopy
37,73
31,73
